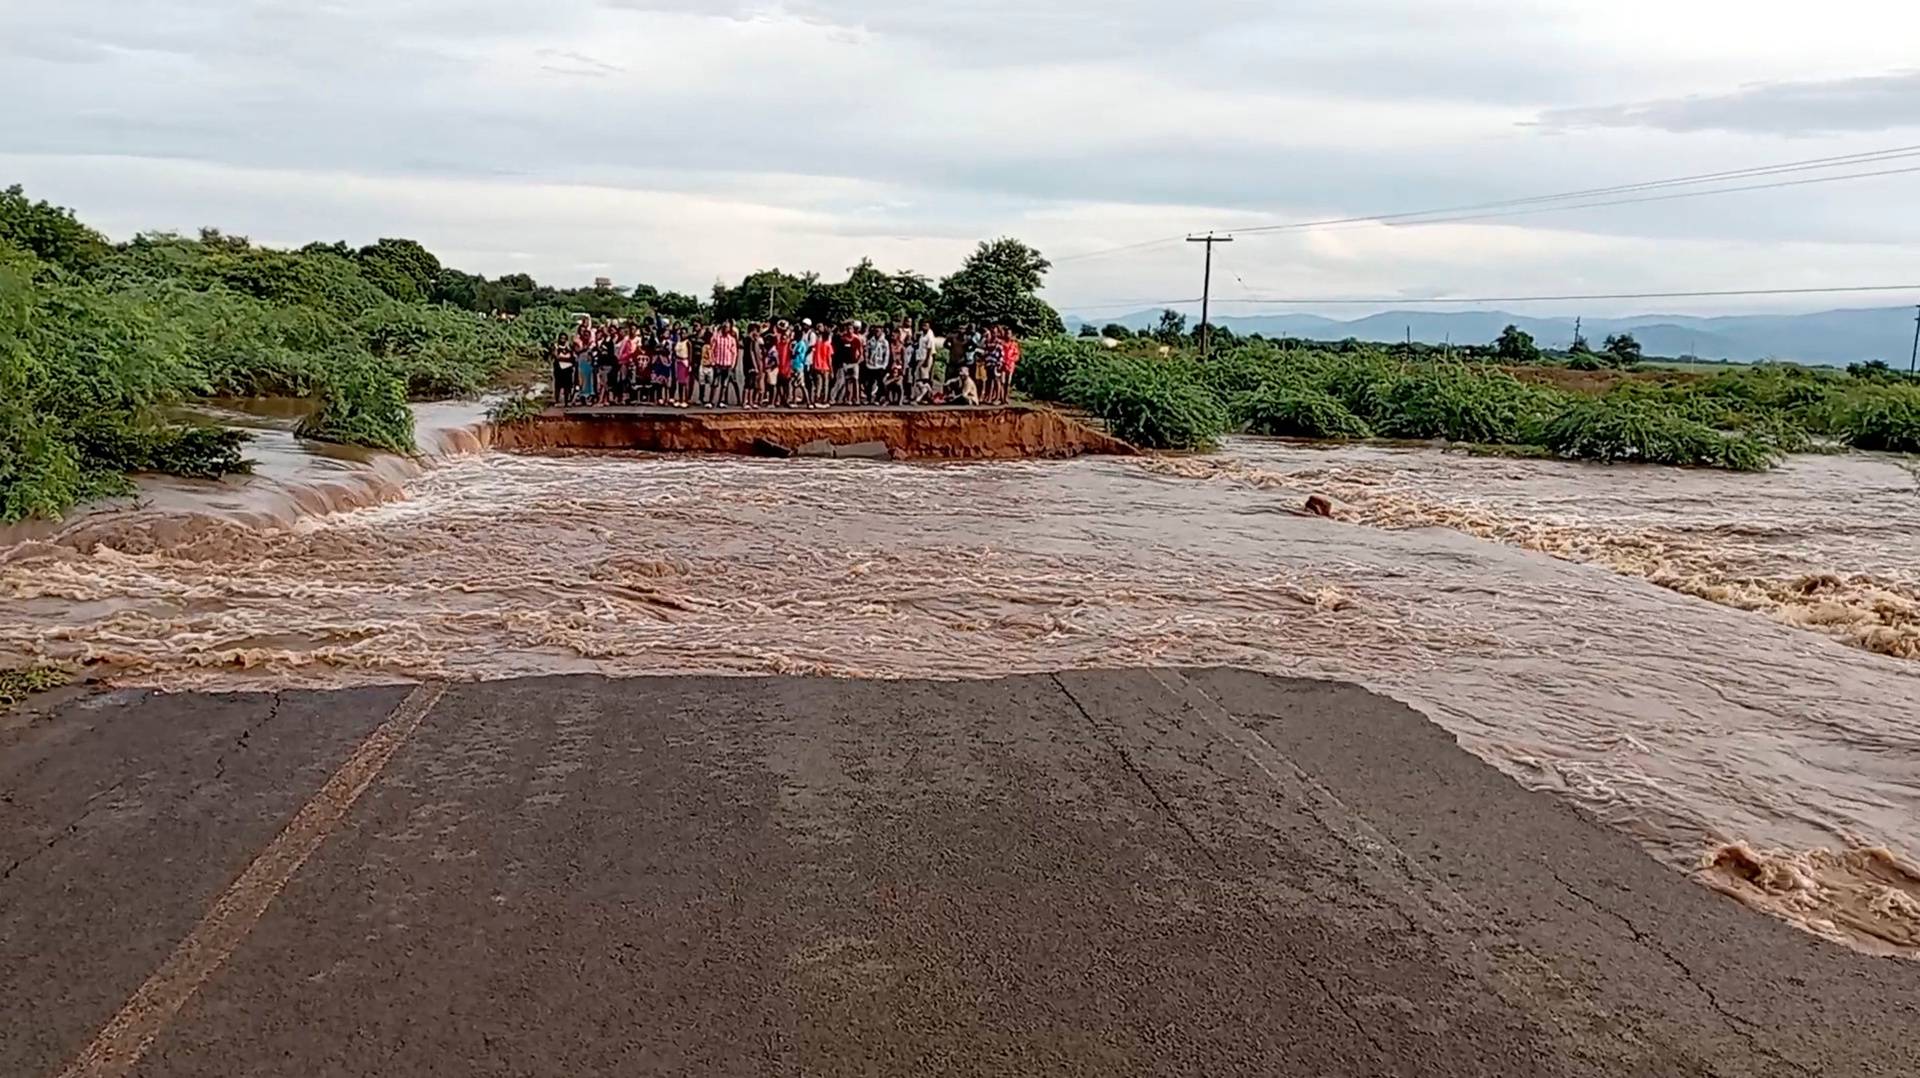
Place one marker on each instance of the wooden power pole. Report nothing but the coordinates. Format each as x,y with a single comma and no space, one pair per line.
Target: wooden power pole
1206,290
1913,361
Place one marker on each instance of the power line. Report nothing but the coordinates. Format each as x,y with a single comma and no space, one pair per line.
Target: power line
1400,300
1874,157
1113,305
1116,250
1594,205
1595,295
1866,157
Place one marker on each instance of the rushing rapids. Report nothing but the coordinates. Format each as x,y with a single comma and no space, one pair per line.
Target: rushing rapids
1719,664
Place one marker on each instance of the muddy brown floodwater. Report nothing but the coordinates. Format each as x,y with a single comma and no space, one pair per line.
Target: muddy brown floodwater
1722,665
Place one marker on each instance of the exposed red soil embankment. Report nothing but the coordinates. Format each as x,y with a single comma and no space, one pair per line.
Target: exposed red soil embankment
1009,433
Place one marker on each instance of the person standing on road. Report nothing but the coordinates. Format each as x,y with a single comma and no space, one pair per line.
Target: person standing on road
724,356
1009,359
956,351
803,348
822,362
873,368
751,355
697,379
563,367
920,376
583,359
847,351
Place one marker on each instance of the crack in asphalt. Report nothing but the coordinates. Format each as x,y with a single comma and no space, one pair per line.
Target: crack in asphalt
1126,759
65,832
72,826
1739,1026
240,743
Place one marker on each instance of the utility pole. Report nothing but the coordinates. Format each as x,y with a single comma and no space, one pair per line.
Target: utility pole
1913,361
1206,290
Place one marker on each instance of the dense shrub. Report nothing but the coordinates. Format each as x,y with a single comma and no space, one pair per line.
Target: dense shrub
1738,419
1046,364
1457,404
1152,403
363,405
193,450
1887,418
1297,411
1604,430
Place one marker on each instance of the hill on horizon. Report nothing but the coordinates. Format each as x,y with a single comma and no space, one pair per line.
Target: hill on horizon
1835,337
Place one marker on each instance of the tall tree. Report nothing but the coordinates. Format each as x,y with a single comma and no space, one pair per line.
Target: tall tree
997,285
402,269
1515,345
1171,327
760,293
1622,349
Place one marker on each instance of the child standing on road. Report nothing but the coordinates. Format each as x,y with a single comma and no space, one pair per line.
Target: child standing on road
802,366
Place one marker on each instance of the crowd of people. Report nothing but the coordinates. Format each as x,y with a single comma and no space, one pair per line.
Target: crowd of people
778,364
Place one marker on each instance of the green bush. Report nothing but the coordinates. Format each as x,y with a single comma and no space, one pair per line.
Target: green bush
1887,418
1296,411
1460,405
1151,403
522,407
192,450
363,405
1601,430
1047,363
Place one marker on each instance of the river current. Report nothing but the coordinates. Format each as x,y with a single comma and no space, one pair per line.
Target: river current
1723,665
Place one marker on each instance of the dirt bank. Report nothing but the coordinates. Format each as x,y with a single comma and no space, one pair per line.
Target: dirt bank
909,433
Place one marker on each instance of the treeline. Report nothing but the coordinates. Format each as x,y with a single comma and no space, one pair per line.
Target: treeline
98,338
1742,418
1514,346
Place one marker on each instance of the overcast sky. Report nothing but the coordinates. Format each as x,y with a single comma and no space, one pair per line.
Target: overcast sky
680,141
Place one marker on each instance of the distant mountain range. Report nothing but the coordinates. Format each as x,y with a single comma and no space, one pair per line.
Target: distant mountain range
1829,337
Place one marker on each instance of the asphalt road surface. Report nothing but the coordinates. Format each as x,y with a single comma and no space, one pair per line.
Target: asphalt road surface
1141,872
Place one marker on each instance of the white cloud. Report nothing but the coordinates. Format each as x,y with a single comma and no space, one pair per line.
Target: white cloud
680,140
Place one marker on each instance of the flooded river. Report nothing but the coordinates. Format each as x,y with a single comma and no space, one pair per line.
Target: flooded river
1721,664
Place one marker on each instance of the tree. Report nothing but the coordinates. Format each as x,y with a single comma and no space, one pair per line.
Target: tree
1222,336
759,294
48,232
670,304
337,247
1116,331
215,240
1088,329
997,285
1622,349
1171,327
914,295
1515,345
401,268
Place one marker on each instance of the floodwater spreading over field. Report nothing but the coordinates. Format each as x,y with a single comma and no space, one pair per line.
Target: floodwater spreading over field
1721,664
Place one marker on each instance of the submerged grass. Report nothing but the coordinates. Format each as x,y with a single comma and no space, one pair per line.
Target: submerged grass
522,407
18,683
